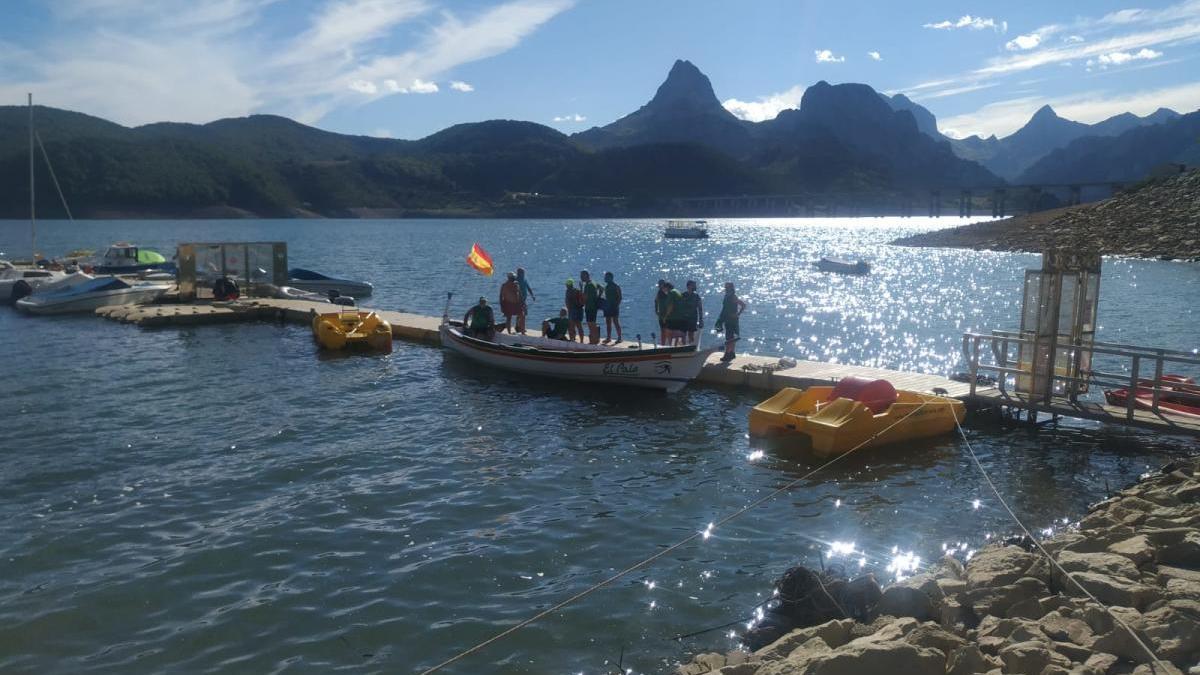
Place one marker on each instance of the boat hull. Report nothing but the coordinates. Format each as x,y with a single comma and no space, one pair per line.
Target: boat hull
667,369
89,302
841,425
1185,402
354,289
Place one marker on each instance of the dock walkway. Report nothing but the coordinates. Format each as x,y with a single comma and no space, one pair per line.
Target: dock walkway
754,372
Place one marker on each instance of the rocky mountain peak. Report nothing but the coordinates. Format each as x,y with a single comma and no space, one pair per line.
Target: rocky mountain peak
685,85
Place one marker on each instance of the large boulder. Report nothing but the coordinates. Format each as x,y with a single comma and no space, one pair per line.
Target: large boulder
1104,563
968,660
833,634
1060,628
905,601
879,658
1031,657
998,566
1113,590
1137,548
996,600
1185,552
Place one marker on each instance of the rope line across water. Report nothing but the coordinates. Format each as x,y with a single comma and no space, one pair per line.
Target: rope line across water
1154,659
638,565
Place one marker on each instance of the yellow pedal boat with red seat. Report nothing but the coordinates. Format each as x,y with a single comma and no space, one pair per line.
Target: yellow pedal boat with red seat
352,329
857,412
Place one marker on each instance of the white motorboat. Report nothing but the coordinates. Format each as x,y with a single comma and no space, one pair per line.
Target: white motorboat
307,280
666,368
90,293
18,282
686,229
842,266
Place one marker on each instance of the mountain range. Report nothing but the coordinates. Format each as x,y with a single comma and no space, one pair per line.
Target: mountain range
843,138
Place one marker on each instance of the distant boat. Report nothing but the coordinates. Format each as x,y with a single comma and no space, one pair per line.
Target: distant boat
840,266
91,294
125,258
308,280
686,229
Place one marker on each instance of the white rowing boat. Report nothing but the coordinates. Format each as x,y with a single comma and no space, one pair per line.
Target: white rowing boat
666,368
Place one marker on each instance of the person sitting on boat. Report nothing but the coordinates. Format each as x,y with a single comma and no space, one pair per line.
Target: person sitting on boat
612,308
574,303
510,302
555,327
526,295
660,308
731,308
480,321
693,313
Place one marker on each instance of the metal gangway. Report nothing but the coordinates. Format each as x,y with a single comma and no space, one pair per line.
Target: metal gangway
1001,373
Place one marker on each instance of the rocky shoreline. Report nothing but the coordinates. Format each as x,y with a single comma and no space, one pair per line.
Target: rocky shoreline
1160,220
1009,611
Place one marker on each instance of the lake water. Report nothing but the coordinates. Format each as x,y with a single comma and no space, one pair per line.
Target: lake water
226,499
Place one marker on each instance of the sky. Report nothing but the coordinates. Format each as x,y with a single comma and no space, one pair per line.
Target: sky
408,68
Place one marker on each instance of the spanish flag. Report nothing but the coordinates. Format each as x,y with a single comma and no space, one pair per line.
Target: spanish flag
480,260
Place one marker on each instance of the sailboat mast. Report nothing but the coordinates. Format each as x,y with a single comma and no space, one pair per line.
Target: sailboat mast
32,201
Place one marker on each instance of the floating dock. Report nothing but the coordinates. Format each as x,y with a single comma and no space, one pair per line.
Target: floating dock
754,372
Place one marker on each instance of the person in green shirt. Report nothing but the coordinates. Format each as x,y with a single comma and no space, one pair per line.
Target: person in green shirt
556,327
731,309
591,305
612,308
675,320
480,321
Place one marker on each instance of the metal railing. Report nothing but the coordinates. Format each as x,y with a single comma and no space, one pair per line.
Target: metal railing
1001,345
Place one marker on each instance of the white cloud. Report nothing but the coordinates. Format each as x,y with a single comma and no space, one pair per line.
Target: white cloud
971,22
1119,58
570,118
1023,42
1073,39
135,62
420,86
826,56
766,107
458,85
1004,117
874,56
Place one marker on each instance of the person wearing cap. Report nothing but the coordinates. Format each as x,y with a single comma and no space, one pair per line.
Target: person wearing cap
526,295
510,302
591,305
574,302
612,308
480,321
661,308
731,308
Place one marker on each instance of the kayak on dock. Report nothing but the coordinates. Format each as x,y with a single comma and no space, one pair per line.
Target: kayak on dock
842,266
857,412
666,368
1179,396
352,330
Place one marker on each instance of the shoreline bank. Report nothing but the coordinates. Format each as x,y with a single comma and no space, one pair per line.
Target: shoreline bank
1008,610
1158,221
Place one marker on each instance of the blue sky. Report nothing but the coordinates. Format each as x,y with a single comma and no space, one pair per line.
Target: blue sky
407,68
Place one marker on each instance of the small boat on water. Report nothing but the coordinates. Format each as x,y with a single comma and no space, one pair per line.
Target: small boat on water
665,368
1178,396
84,293
18,282
352,329
686,229
307,280
125,258
839,266
858,412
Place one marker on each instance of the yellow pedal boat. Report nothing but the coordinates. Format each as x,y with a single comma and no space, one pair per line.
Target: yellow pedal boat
857,412
352,329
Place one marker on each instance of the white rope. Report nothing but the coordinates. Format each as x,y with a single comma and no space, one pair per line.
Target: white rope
704,533
1154,659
